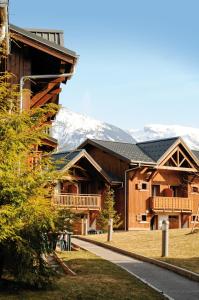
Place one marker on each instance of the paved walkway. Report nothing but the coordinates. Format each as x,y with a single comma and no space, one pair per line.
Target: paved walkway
170,283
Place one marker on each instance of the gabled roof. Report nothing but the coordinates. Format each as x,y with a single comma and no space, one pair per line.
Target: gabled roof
66,160
157,148
125,151
149,152
62,158
33,37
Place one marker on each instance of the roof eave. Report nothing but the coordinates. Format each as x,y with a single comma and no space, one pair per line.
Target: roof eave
146,163
39,40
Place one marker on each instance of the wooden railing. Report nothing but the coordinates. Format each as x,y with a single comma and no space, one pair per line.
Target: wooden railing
78,201
171,203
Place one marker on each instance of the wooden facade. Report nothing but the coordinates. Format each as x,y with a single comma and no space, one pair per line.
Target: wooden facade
38,52
81,186
150,192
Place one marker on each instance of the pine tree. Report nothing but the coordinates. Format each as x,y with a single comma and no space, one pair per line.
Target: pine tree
108,211
26,213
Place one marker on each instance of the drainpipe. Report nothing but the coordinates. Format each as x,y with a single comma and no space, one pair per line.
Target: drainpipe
47,76
125,194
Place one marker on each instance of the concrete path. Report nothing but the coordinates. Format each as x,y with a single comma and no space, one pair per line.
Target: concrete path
171,284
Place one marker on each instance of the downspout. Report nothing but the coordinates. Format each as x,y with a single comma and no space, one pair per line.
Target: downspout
47,76
125,194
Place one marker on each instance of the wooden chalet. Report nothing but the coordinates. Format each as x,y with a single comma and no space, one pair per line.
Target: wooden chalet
81,186
153,181
38,52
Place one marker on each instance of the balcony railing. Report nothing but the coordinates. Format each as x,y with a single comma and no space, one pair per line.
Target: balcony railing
171,204
78,201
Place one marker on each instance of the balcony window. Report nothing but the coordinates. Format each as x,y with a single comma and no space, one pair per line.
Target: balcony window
176,190
155,190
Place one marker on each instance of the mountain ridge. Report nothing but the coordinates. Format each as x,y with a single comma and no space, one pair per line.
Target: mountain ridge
71,129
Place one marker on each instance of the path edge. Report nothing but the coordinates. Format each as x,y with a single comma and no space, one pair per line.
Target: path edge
188,274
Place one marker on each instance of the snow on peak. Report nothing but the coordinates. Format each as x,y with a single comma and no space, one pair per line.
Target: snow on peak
159,131
71,129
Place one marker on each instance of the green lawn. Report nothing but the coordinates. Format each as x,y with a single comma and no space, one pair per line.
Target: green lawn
96,279
183,246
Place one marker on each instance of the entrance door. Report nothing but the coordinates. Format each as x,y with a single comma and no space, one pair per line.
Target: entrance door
173,222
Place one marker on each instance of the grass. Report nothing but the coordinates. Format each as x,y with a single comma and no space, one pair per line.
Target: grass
96,279
183,246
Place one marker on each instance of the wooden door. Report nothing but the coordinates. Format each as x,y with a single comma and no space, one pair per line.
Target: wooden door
173,222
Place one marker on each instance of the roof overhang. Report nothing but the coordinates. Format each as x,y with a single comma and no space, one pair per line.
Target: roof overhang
173,146
84,154
43,45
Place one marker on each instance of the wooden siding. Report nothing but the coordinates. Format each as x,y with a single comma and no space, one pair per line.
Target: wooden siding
108,162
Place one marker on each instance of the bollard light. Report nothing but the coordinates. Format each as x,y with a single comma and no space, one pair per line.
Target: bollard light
110,230
165,238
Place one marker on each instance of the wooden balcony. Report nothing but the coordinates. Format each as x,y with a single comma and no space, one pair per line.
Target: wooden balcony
171,204
78,201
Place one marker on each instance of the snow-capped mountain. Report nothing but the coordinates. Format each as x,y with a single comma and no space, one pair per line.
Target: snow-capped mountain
158,131
71,129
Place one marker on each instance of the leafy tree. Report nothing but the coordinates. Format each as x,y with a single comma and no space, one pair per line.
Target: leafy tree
26,213
108,211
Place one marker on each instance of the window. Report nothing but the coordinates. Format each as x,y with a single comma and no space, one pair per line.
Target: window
142,218
194,189
176,190
142,186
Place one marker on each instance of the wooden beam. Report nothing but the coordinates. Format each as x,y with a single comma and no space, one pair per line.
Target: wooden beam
177,169
175,163
50,86
153,173
47,97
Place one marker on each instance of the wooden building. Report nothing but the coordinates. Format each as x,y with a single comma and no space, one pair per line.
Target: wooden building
81,186
37,58
153,181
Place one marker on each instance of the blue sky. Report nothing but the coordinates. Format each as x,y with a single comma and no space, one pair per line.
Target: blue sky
139,59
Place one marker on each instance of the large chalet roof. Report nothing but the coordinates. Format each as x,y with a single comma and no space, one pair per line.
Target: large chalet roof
127,151
45,39
149,152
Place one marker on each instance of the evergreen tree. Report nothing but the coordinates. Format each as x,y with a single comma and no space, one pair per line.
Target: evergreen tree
108,211
26,213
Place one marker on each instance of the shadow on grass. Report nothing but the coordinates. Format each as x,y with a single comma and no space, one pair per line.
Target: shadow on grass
96,279
195,231
11,286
